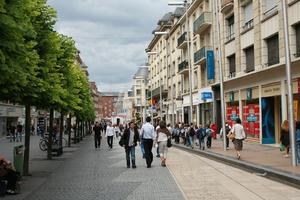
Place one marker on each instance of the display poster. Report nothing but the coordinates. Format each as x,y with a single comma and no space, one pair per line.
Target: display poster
232,113
251,120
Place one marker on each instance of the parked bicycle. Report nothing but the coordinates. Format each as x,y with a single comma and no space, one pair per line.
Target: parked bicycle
44,143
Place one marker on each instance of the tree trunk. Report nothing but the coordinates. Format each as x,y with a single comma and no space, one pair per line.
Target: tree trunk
81,128
61,131
69,130
50,136
27,140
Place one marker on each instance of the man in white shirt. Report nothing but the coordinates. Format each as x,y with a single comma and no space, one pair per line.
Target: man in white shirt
148,135
110,135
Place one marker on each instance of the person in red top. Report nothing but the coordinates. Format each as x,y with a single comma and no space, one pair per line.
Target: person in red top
214,129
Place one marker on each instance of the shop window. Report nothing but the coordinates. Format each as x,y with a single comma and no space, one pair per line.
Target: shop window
232,68
249,53
297,28
273,50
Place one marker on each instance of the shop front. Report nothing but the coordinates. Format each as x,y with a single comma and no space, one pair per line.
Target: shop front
205,106
10,115
232,106
251,112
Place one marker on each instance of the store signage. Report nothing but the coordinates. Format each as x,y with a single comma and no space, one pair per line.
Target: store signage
271,90
249,94
206,95
210,64
231,97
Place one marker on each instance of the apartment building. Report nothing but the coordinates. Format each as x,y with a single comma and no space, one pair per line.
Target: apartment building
109,101
254,64
186,71
96,99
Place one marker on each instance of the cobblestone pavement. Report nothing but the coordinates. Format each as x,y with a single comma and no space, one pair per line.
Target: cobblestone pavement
204,179
91,174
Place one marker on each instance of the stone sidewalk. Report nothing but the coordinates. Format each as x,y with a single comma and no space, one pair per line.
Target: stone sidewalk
89,174
256,155
201,178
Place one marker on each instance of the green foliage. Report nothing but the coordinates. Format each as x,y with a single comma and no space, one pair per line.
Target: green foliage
37,64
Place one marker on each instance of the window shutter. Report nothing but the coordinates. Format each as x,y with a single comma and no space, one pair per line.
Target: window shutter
273,50
249,59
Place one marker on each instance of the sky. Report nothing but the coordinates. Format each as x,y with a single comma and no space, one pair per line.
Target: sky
111,35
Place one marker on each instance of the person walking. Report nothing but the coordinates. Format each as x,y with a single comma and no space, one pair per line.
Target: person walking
239,135
209,133
130,139
97,135
298,141
227,131
19,132
12,133
191,135
285,137
162,137
148,135
176,133
201,135
110,135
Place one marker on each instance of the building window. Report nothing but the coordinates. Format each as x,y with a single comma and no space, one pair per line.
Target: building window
273,50
270,6
138,101
138,92
249,53
297,28
231,63
248,16
230,28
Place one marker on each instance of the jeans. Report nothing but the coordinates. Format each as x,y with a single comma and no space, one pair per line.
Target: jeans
12,137
191,141
110,141
130,151
143,149
19,136
97,139
208,142
201,143
148,143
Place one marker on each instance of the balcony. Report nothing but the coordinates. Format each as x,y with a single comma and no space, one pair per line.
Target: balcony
200,55
156,92
182,41
227,5
202,22
183,67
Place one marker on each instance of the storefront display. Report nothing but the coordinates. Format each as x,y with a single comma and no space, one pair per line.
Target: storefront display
232,113
251,120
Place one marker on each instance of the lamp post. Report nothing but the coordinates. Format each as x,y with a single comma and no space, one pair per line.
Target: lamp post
218,8
289,83
185,5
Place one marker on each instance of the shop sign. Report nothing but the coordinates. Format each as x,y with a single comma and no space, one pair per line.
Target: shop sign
231,97
206,95
210,64
271,90
232,113
249,94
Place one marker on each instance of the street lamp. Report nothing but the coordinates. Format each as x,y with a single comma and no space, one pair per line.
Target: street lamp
185,5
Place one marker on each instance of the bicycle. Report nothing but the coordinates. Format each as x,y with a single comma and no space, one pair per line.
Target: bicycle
43,144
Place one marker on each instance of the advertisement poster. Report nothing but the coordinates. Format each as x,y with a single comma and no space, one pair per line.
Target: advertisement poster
251,120
232,113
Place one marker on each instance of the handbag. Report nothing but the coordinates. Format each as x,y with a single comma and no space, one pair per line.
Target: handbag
231,136
169,143
281,147
122,142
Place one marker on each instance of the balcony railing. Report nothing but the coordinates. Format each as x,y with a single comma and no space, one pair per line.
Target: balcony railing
183,66
248,25
181,40
202,22
200,54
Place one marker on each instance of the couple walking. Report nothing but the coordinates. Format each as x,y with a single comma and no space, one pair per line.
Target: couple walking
149,137
131,136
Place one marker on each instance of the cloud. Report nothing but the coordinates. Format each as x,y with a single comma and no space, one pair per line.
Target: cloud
111,35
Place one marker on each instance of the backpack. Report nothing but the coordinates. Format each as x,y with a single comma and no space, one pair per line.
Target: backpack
192,132
209,132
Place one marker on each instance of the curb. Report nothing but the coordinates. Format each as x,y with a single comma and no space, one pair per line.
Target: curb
288,178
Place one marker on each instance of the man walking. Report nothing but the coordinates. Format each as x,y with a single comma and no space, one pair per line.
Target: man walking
110,135
97,135
148,134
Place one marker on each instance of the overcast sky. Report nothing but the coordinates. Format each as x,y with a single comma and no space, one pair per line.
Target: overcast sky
111,34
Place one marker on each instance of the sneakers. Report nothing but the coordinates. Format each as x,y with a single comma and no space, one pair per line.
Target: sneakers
286,156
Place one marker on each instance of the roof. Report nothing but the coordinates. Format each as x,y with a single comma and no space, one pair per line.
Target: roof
179,11
141,72
165,19
110,94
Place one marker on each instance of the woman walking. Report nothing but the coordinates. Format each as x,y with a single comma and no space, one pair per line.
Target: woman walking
285,137
162,137
239,135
